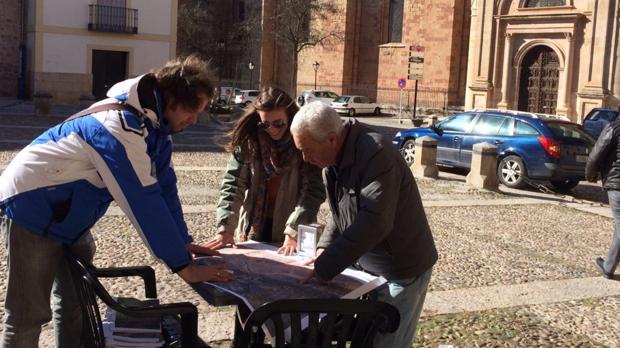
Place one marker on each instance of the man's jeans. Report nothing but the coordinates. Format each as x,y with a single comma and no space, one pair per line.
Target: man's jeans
36,269
408,296
613,255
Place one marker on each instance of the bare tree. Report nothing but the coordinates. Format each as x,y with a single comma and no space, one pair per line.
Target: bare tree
300,24
193,32
210,29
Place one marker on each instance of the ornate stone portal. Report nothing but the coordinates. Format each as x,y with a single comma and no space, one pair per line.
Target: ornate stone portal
544,56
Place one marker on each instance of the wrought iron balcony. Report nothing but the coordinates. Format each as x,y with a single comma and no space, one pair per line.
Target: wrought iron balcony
113,19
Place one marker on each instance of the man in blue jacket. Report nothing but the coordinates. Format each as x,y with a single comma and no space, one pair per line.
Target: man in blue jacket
378,222
60,185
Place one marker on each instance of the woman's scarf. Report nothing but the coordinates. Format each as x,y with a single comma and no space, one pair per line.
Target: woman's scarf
276,158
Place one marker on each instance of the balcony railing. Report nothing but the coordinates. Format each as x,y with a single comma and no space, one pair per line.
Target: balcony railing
113,19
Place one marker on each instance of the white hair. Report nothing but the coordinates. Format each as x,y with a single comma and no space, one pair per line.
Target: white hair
317,119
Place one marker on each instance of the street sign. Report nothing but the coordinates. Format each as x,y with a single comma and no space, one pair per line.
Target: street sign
416,62
402,83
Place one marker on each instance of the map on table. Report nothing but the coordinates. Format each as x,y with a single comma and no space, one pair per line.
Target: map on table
264,276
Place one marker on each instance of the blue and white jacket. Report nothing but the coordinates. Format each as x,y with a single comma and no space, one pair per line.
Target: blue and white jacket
64,181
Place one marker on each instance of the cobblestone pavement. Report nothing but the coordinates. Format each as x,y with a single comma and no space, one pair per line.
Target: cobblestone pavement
484,239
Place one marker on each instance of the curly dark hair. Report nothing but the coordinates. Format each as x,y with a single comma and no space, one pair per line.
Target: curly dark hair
269,98
182,80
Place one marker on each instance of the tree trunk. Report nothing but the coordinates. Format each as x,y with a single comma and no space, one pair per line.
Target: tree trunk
293,88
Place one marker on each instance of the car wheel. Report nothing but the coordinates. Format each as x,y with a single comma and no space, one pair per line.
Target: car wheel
564,184
408,151
351,112
377,112
511,172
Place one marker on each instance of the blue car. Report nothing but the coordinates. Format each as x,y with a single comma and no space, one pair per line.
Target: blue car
597,119
529,146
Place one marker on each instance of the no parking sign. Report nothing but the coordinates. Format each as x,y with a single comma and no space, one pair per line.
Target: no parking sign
402,83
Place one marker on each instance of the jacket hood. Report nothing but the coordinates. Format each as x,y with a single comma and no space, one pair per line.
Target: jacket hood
140,92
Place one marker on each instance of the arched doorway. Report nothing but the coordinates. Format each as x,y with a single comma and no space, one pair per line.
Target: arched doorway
538,86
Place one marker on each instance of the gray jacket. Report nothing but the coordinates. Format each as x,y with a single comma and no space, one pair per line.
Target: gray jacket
300,195
604,158
378,218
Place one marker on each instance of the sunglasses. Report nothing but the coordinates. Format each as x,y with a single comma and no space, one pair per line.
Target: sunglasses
275,124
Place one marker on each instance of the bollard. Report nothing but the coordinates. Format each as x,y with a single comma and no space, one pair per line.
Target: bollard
425,161
431,120
42,103
483,172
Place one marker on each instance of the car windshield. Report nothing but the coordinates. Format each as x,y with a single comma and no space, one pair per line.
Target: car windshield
607,115
342,99
569,130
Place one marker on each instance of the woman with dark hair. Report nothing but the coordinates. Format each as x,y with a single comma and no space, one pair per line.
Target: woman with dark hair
268,190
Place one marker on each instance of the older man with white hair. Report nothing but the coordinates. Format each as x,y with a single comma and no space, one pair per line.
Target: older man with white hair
378,222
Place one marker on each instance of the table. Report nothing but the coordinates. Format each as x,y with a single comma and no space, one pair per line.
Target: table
264,276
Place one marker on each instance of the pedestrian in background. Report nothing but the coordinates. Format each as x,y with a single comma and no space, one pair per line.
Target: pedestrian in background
267,190
604,163
60,185
378,222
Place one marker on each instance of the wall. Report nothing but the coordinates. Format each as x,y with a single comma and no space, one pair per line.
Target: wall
62,44
10,39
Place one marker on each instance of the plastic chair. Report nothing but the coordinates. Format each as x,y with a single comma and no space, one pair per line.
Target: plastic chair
88,288
330,323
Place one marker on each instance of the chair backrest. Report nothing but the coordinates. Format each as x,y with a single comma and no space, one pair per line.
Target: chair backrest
330,322
85,284
89,289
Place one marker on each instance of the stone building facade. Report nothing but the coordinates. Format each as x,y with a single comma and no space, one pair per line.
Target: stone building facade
374,51
76,49
544,56
12,36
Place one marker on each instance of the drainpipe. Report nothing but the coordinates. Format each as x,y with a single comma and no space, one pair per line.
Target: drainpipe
21,77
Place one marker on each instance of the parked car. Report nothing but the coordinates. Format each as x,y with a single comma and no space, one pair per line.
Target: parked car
355,104
597,119
227,94
246,96
529,146
324,96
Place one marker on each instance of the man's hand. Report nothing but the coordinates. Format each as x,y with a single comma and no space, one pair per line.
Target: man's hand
311,261
222,240
311,275
289,246
200,250
214,273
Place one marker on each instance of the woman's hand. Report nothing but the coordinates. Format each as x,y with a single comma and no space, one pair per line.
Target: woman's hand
213,273
220,241
289,247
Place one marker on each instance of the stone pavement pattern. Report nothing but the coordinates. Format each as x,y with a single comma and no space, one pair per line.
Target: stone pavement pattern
515,267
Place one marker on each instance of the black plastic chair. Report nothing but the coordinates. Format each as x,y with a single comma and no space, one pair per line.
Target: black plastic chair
331,323
184,315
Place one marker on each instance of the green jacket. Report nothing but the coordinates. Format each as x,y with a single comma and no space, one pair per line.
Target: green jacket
300,195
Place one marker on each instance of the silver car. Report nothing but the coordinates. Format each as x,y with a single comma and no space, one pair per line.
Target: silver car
324,96
355,104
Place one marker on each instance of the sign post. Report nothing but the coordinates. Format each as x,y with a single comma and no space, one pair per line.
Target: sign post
415,71
402,83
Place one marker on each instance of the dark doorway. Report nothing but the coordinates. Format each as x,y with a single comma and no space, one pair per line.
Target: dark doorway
538,88
109,67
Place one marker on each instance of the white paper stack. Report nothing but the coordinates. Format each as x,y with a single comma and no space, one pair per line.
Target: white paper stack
121,331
